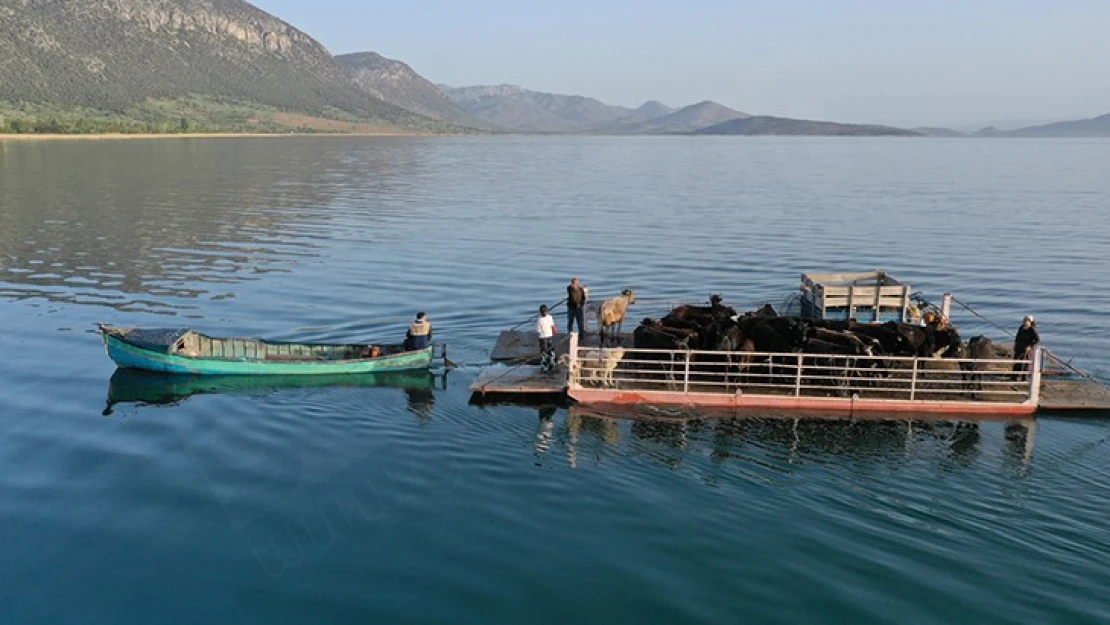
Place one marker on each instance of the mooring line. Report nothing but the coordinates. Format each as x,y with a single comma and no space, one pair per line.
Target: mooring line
1009,333
1066,364
533,317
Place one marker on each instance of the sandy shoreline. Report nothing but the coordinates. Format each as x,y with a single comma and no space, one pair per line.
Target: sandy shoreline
198,135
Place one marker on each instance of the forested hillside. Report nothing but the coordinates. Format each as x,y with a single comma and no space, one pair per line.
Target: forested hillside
164,63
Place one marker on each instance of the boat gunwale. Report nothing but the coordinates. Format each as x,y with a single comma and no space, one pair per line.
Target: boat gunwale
114,332
153,360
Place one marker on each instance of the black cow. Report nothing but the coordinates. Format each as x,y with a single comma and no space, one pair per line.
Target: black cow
892,342
979,348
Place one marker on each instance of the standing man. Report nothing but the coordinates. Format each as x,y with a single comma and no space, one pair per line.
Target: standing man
419,335
576,307
545,330
1026,339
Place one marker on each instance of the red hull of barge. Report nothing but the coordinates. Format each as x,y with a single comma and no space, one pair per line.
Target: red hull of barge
823,404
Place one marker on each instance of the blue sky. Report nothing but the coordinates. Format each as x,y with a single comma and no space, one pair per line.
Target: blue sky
935,62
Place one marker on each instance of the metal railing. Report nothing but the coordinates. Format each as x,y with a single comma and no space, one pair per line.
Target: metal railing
806,375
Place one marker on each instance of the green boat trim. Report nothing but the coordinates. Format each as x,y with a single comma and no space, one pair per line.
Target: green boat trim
180,350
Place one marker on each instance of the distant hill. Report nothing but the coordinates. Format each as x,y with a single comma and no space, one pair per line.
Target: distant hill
155,59
1094,127
516,108
932,131
653,108
396,83
684,120
763,125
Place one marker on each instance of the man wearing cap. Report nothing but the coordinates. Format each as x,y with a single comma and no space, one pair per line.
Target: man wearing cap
545,331
1026,339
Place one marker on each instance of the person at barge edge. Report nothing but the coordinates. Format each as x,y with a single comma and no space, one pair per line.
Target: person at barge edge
1026,339
419,334
545,331
576,307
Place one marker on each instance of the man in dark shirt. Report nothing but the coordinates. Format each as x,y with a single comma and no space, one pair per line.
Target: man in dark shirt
419,334
576,307
1026,339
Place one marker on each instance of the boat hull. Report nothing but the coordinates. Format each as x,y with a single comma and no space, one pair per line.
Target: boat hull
127,355
772,402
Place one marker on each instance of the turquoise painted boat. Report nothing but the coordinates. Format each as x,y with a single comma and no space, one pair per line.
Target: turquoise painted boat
180,350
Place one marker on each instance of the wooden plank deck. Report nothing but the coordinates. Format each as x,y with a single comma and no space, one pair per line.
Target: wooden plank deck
519,379
523,347
1063,395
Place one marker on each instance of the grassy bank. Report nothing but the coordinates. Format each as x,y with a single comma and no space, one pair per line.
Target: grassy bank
196,135
186,117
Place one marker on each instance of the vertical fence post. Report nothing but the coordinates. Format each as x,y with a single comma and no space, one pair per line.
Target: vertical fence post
572,357
913,380
686,374
1035,375
798,377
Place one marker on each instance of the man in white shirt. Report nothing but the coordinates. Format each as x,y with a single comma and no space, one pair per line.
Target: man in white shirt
545,330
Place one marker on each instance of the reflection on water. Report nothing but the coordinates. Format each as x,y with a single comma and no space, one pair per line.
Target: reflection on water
781,441
147,226
421,400
151,388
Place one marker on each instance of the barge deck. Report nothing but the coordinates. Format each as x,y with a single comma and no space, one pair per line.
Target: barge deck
809,384
800,381
1074,395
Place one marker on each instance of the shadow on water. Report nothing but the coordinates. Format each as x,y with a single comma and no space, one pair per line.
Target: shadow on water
146,388
674,438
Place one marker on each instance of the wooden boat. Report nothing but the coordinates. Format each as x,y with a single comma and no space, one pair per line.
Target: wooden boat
180,350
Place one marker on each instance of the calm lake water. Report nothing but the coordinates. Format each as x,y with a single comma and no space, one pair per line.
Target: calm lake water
353,503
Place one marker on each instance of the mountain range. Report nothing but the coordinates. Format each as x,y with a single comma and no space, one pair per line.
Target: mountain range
190,65
396,83
523,110
766,125
1093,127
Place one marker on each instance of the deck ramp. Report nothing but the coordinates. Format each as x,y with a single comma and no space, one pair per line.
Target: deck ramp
1065,395
519,379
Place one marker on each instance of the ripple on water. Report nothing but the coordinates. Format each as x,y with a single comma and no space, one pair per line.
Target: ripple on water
383,504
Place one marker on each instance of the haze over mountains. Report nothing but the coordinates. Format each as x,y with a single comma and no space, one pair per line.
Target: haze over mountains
186,65
523,110
1093,127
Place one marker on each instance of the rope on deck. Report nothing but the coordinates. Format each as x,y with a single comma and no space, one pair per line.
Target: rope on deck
514,364
1076,370
1064,363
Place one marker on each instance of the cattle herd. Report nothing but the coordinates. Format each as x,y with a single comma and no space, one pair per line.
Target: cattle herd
719,328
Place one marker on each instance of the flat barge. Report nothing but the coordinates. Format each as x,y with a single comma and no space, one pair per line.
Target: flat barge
796,382
939,387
